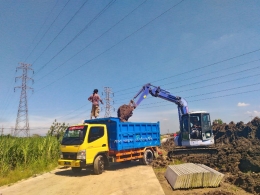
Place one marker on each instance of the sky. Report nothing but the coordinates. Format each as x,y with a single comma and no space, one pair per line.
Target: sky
207,52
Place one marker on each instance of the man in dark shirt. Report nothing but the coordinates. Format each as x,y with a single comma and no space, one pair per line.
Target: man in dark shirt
195,129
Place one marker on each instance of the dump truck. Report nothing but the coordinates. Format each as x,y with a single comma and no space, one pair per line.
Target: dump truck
96,143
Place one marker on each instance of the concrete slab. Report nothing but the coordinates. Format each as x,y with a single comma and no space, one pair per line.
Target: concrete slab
189,175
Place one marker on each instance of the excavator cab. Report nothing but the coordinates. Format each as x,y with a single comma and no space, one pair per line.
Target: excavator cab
195,130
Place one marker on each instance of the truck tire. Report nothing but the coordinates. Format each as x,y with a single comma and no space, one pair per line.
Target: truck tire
76,169
99,165
147,157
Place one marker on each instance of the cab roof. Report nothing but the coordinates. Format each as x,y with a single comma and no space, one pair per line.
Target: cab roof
197,112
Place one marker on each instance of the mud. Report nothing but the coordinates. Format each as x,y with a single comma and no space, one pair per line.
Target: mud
238,156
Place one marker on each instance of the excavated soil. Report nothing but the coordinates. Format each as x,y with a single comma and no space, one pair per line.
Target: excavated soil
238,155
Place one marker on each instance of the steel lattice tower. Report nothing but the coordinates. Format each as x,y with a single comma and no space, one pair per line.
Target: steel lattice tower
108,107
22,121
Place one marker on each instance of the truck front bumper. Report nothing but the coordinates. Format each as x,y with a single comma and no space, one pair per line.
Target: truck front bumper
72,163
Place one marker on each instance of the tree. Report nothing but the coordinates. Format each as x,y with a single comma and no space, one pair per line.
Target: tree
218,121
57,129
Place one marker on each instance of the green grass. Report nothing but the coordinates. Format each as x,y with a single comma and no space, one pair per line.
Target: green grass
21,158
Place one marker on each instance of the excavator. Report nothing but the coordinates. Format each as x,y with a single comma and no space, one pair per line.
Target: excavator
195,135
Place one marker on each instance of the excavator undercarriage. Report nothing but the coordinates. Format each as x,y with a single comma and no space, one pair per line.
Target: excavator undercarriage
184,151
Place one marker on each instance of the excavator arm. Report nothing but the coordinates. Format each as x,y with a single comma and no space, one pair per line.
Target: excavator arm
147,89
158,92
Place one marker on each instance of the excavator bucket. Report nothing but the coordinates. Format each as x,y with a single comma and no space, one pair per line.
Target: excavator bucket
124,112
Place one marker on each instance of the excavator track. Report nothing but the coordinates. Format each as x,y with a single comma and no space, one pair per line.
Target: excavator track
180,151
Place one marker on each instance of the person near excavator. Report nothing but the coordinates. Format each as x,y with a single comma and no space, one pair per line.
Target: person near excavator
195,123
95,99
195,128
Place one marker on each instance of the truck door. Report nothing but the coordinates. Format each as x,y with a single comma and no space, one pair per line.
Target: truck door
96,142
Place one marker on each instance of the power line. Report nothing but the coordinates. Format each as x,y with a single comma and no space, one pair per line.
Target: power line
75,37
195,69
47,29
93,41
216,77
193,100
222,76
250,76
112,46
42,26
203,98
224,90
61,30
248,69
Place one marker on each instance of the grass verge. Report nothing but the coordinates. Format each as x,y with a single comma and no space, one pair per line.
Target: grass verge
21,173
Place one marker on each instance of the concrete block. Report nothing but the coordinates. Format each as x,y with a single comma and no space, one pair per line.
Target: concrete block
190,175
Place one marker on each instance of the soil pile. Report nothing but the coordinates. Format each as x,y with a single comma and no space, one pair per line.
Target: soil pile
238,154
218,192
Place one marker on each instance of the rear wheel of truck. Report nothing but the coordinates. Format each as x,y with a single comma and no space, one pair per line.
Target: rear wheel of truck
147,157
76,169
99,165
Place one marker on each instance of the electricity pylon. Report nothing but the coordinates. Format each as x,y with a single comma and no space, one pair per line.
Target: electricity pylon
108,101
22,121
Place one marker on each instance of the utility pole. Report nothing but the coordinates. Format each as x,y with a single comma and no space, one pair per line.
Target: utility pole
22,121
108,99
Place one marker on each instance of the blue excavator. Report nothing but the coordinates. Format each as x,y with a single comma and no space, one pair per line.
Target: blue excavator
195,127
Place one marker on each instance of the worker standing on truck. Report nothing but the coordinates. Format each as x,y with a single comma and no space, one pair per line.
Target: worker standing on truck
95,99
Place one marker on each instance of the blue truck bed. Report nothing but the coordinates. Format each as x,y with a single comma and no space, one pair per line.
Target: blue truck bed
129,135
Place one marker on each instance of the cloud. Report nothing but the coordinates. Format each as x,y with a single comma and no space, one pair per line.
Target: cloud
256,112
242,104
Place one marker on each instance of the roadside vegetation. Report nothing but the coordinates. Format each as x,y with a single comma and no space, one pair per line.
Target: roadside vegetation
23,157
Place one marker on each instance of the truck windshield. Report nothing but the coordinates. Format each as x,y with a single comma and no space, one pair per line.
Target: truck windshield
74,135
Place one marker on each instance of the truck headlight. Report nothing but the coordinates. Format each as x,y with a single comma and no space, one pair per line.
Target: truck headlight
81,154
61,155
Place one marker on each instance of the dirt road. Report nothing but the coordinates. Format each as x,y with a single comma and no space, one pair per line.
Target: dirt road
127,179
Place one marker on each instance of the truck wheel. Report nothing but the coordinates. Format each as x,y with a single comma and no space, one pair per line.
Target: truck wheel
99,165
147,157
76,169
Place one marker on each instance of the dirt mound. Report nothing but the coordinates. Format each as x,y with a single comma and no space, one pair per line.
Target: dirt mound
238,154
218,192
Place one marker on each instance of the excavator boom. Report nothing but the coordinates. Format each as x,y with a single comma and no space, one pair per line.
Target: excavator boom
158,92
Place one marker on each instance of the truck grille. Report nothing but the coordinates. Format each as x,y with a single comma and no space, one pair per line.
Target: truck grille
69,155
